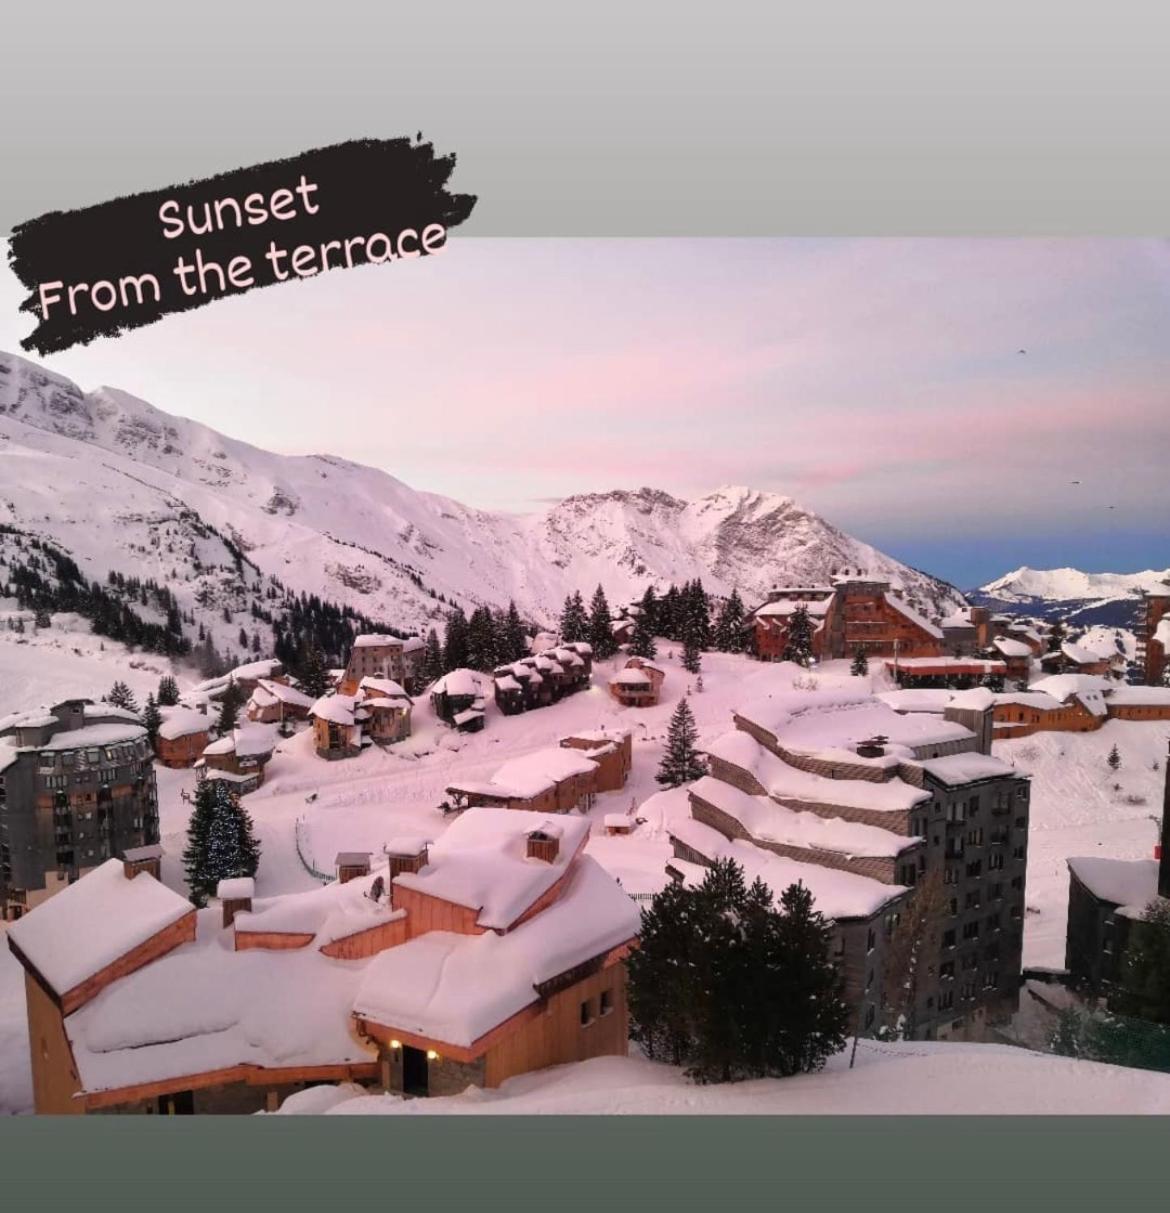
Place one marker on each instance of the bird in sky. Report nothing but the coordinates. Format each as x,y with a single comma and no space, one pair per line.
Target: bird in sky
1021,351
1076,482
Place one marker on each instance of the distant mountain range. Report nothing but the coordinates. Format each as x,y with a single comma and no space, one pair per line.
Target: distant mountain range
118,484
1085,599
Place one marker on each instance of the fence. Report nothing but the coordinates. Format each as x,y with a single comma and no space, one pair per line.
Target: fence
299,834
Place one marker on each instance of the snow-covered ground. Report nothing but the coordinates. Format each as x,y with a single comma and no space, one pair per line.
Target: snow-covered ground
361,803
887,1079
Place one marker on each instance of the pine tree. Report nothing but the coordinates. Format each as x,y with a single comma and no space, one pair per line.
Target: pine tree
860,666
513,642
733,985
312,672
455,642
229,708
482,644
574,621
168,691
728,636
651,611
151,718
1114,759
121,696
642,639
691,659
601,626
432,658
220,840
1057,635
43,619
1144,987
798,644
681,763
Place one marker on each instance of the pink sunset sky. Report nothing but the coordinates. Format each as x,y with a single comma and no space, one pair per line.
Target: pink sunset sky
877,381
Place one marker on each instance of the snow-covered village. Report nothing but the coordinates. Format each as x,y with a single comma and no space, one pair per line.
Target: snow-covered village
321,793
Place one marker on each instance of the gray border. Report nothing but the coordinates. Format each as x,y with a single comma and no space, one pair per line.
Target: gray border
749,117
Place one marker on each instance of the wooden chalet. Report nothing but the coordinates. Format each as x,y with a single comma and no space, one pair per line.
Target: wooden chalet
552,780
639,684
239,757
182,737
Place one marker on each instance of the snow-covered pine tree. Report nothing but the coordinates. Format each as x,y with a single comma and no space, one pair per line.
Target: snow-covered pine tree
681,763
798,645
642,638
151,718
601,626
168,691
691,658
121,696
860,666
313,673
229,708
1114,759
482,644
728,635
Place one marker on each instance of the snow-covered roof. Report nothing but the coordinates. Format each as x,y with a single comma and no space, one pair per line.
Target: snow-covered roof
255,669
1079,654
1140,696
917,699
618,821
455,989
206,1007
182,722
95,735
764,819
1039,700
634,677
958,619
268,692
831,723
337,709
1120,881
467,715
507,683
1011,648
957,769
92,923
370,640
1088,688
903,608
382,688
784,607
531,774
458,682
248,741
791,783
836,893
481,862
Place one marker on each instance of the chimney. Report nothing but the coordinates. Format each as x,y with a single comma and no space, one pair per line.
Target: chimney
236,895
406,855
544,843
142,859
1164,849
351,865
875,747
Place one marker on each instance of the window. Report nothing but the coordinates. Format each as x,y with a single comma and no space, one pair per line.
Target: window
946,970
587,1012
948,939
946,1000
870,940
972,900
976,868
606,1001
951,876
975,837
870,1015
971,930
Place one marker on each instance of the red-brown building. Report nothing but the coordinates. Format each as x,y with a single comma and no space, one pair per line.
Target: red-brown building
182,737
1154,637
639,684
611,750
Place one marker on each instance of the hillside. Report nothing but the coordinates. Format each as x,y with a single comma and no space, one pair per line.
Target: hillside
118,484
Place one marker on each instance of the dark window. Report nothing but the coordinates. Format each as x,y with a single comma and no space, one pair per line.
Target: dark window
606,1001
948,939
587,1012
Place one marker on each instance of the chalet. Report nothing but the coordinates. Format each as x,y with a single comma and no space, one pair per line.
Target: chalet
622,631
1016,654
378,714
1138,703
966,632
639,684
457,698
238,758
387,657
1153,652
800,776
855,612
611,749
1107,899
543,678
277,702
183,735
246,679
620,823
1075,659
553,780
351,865
1023,630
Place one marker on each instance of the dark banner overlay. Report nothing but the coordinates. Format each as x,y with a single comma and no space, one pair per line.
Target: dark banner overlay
102,270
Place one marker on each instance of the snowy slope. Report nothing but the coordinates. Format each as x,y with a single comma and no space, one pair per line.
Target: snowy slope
120,484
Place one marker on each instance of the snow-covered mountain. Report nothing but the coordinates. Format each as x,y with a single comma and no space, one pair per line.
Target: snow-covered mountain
120,484
1109,600
1066,585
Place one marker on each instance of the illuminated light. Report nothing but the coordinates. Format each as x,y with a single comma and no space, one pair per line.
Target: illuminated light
432,1055
396,1044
